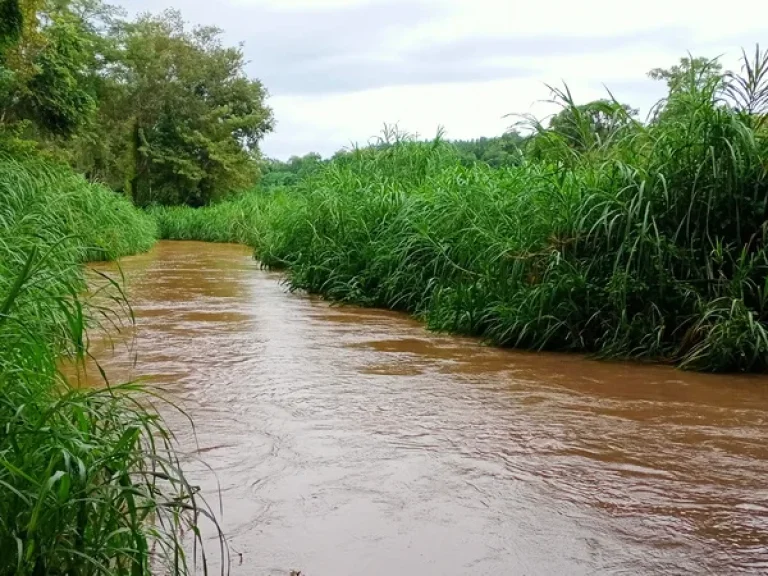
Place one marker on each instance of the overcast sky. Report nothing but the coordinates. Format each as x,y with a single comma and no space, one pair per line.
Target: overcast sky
337,70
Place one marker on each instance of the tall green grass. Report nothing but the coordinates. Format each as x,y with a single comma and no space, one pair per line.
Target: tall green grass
229,221
253,218
89,480
647,243
634,241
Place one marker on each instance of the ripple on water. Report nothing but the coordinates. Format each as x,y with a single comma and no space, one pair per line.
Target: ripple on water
351,441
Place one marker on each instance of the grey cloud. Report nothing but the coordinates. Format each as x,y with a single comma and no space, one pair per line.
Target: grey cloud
346,49
363,73
543,46
463,60
281,37
311,50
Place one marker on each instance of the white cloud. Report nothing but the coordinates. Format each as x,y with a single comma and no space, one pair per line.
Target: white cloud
339,69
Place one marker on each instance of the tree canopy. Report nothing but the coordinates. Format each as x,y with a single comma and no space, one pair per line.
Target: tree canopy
277,173
689,73
497,152
45,61
164,112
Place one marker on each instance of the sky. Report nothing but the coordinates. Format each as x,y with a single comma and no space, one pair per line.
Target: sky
338,70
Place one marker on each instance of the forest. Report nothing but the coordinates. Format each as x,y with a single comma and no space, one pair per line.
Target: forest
593,231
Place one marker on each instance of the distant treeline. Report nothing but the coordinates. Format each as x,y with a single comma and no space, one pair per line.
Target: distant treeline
497,152
578,124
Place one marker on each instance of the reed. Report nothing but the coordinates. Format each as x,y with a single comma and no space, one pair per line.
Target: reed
89,479
635,240
648,242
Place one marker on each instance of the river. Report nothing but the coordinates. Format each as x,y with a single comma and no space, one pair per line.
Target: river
349,441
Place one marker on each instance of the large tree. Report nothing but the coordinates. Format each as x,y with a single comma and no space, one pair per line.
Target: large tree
691,82
689,74
163,112
46,62
11,24
591,125
190,118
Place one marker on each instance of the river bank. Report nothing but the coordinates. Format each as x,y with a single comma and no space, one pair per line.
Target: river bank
618,251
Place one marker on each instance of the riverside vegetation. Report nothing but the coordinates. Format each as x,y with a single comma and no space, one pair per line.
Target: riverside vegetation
89,478
147,111
606,235
595,232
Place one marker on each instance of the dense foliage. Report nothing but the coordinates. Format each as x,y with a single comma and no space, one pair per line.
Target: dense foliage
609,236
149,107
498,152
277,174
89,480
229,221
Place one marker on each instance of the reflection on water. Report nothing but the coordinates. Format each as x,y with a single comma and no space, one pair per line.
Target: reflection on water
351,441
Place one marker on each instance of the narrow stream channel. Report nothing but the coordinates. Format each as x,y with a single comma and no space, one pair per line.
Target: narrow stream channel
349,441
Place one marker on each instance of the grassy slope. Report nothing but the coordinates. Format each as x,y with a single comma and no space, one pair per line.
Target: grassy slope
79,470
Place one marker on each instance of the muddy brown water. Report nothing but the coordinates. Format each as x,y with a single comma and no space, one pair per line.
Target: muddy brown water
350,441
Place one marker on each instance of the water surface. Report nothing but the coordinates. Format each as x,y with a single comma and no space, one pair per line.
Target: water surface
350,441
